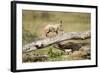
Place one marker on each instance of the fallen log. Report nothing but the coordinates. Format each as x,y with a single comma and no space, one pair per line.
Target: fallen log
55,39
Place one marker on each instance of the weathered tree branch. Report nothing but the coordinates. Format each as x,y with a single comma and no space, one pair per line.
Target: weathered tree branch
55,39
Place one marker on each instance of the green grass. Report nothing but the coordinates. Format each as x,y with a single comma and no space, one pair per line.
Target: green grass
56,54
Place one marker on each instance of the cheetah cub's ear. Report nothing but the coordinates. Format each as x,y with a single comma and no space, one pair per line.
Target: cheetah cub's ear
60,21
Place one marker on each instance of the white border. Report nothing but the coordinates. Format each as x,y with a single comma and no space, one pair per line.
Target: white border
21,65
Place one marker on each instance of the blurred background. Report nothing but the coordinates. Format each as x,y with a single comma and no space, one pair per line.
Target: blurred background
35,21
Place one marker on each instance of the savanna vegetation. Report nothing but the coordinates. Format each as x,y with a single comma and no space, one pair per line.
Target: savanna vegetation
33,30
